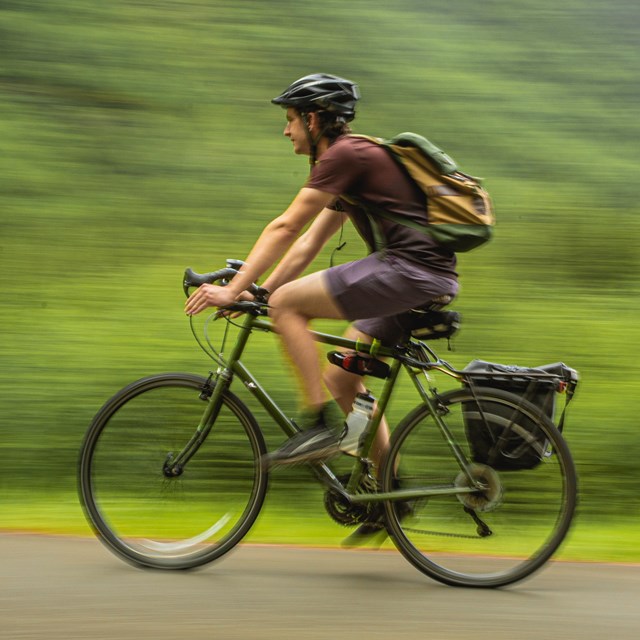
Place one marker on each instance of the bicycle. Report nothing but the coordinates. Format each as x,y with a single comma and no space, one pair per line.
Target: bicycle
171,473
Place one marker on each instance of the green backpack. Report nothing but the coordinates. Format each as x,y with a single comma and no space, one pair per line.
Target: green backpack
459,210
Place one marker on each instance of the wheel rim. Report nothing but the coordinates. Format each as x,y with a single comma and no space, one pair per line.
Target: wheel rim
477,540
156,518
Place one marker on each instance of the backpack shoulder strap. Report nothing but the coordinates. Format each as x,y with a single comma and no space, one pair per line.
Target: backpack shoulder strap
442,161
383,213
401,140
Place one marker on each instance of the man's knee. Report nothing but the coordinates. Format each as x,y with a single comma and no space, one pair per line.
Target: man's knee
281,305
306,297
278,297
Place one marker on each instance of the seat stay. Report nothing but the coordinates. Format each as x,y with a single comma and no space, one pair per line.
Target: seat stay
451,442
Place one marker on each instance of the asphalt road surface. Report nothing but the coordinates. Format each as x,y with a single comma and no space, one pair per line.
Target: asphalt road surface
56,587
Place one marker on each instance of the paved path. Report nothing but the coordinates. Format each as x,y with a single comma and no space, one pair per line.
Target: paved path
72,588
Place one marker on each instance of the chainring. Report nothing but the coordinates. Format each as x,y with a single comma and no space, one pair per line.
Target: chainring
348,513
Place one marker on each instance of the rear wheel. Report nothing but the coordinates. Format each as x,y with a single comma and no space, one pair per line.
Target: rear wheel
505,530
140,505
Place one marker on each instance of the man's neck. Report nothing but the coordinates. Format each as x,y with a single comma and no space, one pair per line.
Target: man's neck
323,145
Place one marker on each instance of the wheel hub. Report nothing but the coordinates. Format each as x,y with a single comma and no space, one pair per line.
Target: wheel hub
489,495
171,470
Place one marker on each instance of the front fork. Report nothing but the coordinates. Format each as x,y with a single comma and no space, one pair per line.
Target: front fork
212,392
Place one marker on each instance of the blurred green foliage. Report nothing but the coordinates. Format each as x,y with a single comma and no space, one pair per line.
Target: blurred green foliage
137,138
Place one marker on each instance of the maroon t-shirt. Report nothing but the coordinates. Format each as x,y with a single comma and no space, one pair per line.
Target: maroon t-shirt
357,167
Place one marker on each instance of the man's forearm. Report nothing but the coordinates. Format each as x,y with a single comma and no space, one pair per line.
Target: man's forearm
297,259
280,234
271,245
305,249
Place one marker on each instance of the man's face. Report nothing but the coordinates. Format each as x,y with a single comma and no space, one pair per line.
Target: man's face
296,131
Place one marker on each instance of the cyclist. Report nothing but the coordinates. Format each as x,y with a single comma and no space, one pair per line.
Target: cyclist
411,270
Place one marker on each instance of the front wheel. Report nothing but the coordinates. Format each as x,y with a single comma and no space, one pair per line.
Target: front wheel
512,521
147,510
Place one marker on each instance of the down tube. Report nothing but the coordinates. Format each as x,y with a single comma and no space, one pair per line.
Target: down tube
260,393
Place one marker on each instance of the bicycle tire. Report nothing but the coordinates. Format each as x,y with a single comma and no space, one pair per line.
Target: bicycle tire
511,529
155,521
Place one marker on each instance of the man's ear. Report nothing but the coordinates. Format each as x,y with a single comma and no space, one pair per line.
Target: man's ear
314,122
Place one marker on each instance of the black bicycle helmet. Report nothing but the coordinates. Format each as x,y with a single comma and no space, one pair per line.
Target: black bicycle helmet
322,92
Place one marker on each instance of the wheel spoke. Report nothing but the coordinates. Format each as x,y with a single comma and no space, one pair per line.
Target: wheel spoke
496,535
152,511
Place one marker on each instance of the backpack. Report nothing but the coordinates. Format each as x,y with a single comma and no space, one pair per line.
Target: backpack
505,439
459,210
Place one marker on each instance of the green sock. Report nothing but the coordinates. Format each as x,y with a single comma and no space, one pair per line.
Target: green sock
333,416
330,413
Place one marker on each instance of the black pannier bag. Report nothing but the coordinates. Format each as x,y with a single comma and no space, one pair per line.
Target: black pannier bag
503,437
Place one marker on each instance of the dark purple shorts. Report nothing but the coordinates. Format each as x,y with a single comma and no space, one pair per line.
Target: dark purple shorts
378,289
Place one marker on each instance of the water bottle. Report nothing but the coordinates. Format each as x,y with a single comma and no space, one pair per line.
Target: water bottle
357,422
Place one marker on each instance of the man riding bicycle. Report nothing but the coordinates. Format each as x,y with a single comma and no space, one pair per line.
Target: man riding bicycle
409,272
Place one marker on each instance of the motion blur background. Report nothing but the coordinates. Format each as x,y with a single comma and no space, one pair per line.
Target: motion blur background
137,138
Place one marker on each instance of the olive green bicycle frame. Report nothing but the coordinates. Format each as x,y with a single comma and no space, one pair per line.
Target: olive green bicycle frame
234,368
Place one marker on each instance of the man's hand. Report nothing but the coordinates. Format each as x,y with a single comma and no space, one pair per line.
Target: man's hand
209,295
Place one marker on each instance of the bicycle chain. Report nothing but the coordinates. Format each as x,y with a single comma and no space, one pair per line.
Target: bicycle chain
446,533
480,524
440,533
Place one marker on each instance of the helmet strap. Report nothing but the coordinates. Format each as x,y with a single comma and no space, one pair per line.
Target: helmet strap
313,142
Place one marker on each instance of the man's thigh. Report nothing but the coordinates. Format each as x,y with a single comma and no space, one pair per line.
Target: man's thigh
308,296
378,286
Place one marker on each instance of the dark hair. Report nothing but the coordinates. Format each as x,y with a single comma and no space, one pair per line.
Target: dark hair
332,126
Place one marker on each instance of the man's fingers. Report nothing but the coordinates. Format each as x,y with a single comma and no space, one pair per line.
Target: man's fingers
206,296
196,302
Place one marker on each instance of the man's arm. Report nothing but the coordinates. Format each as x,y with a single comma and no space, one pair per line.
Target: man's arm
305,249
273,242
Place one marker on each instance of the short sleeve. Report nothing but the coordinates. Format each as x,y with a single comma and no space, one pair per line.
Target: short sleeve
337,170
